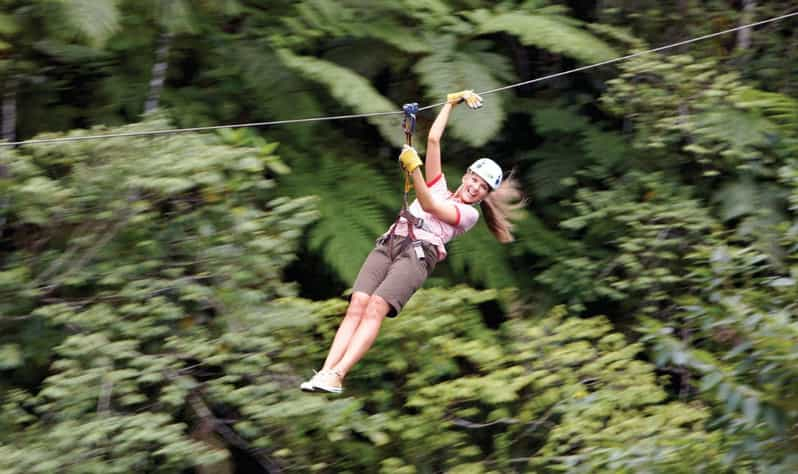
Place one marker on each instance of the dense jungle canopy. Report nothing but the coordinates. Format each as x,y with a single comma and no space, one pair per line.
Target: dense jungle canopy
162,297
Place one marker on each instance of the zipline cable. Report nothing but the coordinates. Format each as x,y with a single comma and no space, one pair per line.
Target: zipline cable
398,112
627,57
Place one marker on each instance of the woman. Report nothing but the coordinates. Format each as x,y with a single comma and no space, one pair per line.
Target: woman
406,254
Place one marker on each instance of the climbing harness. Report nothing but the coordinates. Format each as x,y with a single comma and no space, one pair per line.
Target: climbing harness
408,127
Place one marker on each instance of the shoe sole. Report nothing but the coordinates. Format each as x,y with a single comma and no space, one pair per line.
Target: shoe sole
321,388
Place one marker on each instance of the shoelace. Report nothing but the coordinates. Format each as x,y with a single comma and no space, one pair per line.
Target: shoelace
324,372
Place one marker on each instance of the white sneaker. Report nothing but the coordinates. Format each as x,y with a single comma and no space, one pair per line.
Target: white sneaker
308,386
323,381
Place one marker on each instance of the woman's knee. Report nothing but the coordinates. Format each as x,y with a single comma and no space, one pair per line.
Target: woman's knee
377,308
357,305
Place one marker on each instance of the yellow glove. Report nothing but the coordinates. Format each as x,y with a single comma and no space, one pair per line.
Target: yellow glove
409,158
472,100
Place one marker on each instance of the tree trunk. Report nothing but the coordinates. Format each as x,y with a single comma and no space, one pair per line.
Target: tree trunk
9,110
744,36
158,75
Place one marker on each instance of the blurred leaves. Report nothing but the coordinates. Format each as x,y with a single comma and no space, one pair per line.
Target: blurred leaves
147,322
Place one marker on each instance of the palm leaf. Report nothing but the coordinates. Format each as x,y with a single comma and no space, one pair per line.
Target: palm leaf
347,87
450,68
555,33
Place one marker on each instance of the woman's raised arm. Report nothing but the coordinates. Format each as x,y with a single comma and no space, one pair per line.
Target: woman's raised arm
432,162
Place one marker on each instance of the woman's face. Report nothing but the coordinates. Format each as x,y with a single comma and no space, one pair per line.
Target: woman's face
474,188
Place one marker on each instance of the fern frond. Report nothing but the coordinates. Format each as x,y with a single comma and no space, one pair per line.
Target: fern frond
274,87
533,235
176,16
607,148
555,33
572,143
353,200
450,68
559,119
478,255
424,9
746,197
97,19
347,87
553,163
780,108
742,130
344,19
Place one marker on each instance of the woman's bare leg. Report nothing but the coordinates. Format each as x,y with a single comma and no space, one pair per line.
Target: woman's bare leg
364,336
350,323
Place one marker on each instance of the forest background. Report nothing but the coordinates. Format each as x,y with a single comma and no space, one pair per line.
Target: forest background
162,297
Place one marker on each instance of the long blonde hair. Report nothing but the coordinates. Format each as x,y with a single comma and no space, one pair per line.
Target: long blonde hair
498,208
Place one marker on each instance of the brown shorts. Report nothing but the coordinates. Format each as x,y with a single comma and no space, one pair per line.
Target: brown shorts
396,280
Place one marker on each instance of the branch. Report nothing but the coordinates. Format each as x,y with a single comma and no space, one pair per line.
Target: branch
207,416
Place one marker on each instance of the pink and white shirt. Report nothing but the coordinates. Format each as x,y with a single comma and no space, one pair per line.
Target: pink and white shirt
439,232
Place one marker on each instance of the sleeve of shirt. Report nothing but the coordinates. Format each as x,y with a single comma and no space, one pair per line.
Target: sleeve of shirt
468,216
437,186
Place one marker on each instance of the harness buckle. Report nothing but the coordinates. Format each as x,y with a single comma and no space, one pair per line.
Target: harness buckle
419,250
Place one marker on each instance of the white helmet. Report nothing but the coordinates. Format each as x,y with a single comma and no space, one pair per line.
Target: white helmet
488,170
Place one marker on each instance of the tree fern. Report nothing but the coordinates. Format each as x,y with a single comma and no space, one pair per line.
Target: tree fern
552,164
535,238
353,200
349,88
274,86
552,32
571,144
480,257
454,67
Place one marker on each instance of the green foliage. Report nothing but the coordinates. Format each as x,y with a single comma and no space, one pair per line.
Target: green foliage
318,18
558,394
547,28
451,67
348,88
635,235
97,19
353,200
572,144
737,337
689,105
151,260
146,324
